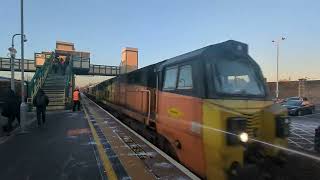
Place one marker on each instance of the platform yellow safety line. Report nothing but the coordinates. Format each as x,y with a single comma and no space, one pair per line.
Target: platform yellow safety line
103,156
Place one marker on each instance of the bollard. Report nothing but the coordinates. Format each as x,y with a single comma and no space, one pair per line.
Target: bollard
317,139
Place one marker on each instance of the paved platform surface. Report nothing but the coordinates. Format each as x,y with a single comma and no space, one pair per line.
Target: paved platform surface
62,149
91,144
125,154
31,117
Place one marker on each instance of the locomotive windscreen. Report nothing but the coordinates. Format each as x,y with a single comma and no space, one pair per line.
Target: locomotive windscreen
237,78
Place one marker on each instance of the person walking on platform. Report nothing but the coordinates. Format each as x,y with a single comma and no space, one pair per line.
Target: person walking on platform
76,99
41,101
11,110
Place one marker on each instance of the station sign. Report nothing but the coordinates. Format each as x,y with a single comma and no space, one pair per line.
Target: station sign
39,59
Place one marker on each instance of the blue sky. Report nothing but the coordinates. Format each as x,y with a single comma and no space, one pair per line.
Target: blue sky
166,28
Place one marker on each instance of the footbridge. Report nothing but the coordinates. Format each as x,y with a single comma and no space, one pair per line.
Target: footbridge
80,66
59,85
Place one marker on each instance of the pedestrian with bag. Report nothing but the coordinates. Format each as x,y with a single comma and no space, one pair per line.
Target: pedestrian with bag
76,99
41,102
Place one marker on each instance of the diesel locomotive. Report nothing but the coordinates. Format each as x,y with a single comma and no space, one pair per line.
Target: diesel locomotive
209,109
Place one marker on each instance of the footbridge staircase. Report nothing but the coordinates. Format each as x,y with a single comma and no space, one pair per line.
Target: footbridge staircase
57,85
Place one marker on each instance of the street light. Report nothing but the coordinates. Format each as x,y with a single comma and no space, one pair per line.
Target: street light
23,107
12,39
13,53
277,43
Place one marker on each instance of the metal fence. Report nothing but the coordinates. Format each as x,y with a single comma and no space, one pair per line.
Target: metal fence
81,63
104,70
78,63
5,65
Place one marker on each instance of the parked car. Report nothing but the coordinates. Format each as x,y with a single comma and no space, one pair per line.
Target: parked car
278,101
296,98
299,107
282,101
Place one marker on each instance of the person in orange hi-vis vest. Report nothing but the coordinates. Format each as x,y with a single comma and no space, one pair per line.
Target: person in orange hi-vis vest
76,99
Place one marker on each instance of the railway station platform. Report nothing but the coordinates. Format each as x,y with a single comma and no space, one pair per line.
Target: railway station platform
90,144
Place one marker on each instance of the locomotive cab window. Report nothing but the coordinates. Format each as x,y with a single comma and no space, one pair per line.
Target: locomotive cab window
237,78
185,77
170,78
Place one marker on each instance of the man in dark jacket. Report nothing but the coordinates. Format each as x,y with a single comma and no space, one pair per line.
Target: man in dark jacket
11,109
41,101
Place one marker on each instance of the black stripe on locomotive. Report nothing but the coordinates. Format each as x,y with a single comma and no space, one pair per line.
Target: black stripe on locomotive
198,59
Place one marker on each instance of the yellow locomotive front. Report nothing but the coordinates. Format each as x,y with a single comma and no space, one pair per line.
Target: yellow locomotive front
241,126
235,137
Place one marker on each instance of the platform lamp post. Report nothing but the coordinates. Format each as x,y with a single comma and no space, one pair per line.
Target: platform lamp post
23,107
277,43
13,53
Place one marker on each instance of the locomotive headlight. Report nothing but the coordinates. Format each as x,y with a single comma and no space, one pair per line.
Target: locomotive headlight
236,126
244,137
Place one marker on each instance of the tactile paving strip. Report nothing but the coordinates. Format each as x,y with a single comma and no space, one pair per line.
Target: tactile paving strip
112,156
